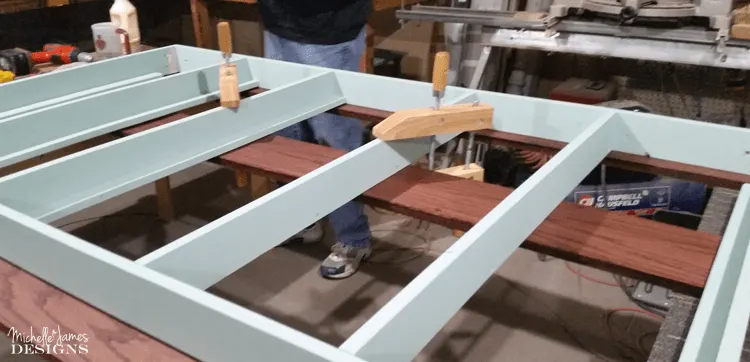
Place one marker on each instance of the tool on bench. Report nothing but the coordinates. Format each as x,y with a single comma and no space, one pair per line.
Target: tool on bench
60,54
17,60
229,91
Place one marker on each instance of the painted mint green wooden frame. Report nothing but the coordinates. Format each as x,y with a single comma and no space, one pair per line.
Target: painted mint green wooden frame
163,292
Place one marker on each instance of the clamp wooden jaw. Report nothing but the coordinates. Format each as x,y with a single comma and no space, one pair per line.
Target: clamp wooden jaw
423,122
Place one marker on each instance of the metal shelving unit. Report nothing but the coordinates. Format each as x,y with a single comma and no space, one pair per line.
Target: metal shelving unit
689,45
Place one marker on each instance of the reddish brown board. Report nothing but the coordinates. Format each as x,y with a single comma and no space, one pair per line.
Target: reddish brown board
30,302
665,254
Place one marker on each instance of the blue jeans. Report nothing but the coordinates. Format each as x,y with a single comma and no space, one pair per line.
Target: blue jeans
349,221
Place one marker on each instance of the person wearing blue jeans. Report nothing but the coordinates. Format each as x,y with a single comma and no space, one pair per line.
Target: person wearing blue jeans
331,34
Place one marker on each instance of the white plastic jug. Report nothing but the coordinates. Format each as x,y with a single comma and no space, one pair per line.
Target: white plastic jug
124,15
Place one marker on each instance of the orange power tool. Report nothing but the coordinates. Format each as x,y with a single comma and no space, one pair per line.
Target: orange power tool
60,54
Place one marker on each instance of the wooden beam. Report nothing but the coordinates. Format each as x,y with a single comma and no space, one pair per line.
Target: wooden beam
203,24
164,205
664,254
471,171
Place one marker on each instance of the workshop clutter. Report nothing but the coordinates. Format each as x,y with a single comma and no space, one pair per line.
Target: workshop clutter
118,37
19,62
121,35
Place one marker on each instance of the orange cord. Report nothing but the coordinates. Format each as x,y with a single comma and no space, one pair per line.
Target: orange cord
533,159
593,280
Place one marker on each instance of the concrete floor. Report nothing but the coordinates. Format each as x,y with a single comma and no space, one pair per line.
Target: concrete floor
529,310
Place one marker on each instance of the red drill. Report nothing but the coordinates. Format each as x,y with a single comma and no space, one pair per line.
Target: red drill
60,54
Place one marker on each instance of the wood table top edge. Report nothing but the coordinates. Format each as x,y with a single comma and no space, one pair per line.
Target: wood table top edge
109,337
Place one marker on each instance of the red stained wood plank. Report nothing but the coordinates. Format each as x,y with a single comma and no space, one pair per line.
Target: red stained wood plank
28,302
676,257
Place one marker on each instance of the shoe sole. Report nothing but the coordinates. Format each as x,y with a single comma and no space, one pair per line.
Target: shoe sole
349,273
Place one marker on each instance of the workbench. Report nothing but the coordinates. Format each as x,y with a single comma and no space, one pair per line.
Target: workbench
676,257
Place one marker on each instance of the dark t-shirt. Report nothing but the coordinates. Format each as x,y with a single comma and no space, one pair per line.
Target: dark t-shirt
315,22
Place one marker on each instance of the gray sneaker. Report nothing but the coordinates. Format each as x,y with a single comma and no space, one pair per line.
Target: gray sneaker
343,261
311,234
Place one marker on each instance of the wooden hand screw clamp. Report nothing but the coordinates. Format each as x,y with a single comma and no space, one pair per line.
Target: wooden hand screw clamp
424,122
229,91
